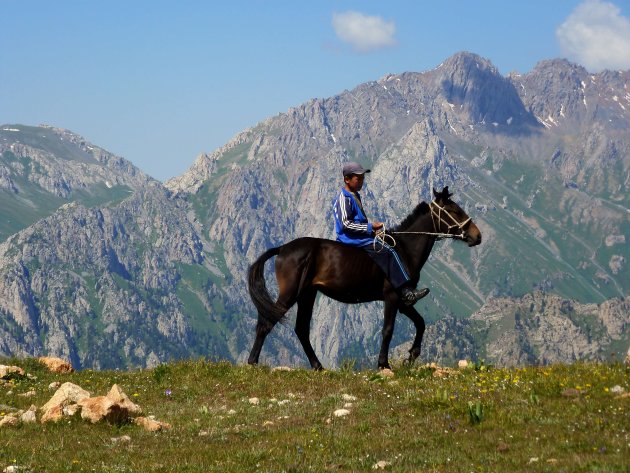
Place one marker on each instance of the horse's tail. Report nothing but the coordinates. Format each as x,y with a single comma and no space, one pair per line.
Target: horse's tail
267,308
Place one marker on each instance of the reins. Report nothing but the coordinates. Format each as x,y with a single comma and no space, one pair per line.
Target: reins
383,238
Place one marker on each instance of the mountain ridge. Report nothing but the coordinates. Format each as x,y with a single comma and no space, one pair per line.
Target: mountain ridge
43,168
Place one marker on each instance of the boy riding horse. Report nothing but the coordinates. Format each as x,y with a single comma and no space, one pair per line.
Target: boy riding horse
353,228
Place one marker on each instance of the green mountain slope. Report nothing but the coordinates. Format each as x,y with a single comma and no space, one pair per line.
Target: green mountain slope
43,168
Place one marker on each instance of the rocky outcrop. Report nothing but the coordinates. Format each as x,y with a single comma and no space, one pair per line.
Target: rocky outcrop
7,372
115,407
56,365
70,400
63,403
541,328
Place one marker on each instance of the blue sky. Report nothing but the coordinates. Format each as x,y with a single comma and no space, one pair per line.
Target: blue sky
159,82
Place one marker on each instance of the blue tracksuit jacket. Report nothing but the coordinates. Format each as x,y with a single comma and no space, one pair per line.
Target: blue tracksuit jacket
350,222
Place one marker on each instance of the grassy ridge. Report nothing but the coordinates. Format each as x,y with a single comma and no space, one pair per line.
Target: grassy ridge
558,418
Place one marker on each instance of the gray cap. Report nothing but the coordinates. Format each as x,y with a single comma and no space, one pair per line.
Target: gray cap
353,168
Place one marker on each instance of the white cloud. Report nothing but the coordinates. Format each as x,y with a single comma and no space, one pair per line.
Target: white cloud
597,36
365,33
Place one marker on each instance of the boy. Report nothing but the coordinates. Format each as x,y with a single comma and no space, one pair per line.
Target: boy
353,228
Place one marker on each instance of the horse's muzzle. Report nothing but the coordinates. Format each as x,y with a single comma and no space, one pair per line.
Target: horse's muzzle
473,241
472,236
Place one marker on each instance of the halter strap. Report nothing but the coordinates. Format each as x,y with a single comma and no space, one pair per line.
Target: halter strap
459,225
384,238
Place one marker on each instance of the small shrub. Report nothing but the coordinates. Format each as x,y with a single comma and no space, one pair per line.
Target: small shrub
160,372
481,366
475,412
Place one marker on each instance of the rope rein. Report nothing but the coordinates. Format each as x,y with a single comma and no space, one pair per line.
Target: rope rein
383,239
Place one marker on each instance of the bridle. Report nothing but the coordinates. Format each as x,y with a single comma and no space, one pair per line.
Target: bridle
439,214
459,225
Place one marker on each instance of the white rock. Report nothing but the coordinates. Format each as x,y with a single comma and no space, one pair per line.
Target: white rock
29,416
341,413
254,401
9,420
462,364
348,397
380,465
387,373
617,389
150,424
67,393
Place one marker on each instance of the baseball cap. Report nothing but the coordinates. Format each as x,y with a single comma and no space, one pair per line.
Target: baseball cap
353,168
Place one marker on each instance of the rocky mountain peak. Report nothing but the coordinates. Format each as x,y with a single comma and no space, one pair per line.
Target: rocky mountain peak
465,60
564,95
560,70
477,93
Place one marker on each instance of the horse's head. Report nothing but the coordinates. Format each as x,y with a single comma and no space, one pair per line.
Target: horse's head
449,218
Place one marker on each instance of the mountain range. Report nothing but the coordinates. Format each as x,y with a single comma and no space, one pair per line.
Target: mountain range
103,265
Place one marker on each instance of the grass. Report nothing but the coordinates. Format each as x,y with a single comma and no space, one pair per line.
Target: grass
478,419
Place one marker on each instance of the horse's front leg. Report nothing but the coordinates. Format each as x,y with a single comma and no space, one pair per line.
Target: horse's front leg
418,321
389,319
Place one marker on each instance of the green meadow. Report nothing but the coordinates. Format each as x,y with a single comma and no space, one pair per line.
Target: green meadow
230,418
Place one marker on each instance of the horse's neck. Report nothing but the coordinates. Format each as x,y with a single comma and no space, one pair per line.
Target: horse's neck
415,248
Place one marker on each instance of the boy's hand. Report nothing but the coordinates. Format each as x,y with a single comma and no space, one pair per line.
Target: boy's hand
377,225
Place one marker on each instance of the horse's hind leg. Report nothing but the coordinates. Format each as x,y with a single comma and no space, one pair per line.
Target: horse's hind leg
286,299
418,321
303,326
263,328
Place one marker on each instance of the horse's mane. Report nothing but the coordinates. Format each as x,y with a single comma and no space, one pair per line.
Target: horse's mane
421,209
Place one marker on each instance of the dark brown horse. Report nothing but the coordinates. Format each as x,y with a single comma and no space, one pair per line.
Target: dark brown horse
347,274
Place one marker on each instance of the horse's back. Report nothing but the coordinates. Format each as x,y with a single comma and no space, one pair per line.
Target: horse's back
342,272
322,250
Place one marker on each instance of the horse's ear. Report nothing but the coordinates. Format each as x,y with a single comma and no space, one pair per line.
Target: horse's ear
444,195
